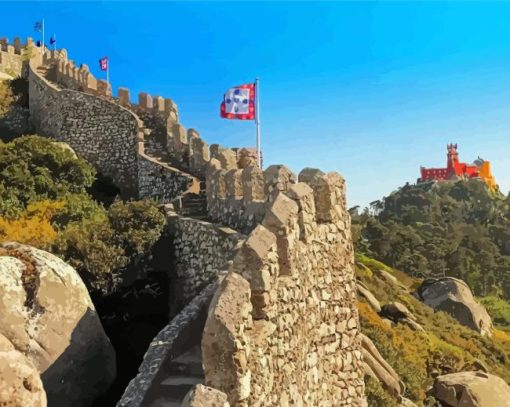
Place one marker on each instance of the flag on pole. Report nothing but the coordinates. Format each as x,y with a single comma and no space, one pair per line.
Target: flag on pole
239,103
53,39
38,26
103,64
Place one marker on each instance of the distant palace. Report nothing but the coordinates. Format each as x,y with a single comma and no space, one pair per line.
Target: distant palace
479,169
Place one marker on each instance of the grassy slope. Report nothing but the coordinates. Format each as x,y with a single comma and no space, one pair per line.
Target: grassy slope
445,347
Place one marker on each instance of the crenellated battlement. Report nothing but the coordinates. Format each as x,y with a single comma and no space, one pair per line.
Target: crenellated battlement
17,45
239,197
288,303
13,55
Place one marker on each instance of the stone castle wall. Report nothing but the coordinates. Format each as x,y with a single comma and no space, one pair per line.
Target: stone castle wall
103,133
106,134
11,60
283,327
239,197
201,250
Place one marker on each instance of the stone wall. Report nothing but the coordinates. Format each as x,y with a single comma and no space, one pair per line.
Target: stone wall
102,132
11,61
160,182
16,121
239,197
283,327
200,251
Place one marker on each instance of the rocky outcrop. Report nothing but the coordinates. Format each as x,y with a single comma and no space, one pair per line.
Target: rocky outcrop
454,297
47,315
203,396
20,383
376,367
471,389
368,296
397,312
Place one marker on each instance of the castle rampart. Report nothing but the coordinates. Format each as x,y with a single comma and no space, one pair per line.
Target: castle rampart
103,133
283,327
239,197
12,55
201,250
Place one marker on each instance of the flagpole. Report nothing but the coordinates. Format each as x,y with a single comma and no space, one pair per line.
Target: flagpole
42,45
107,75
257,121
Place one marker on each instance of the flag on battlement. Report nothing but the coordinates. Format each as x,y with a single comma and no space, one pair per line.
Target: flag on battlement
242,103
103,64
53,39
239,103
39,26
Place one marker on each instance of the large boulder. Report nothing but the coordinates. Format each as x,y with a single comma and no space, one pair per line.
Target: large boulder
471,389
454,297
20,383
396,311
47,314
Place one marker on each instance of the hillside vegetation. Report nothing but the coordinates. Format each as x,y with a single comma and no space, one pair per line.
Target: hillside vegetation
46,201
457,228
418,357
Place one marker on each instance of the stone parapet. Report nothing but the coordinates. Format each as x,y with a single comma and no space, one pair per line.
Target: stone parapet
283,328
201,250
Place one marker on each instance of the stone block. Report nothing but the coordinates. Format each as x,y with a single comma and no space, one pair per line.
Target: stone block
158,104
253,185
123,94
228,158
145,100
203,396
277,178
233,183
328,193
302,194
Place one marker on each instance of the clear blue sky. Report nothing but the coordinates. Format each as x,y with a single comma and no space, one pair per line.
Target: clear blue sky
371,90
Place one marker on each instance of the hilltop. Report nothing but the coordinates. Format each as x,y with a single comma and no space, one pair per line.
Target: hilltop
457,228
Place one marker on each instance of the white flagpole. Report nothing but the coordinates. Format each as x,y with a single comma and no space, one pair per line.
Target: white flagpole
42,45
257,121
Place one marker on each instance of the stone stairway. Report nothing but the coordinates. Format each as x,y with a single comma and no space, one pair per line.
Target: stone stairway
44,71
192,205
176,379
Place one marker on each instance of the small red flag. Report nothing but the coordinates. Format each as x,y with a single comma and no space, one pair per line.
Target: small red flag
239,103
103,64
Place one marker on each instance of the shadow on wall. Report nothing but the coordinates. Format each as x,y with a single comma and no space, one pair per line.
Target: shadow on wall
84,370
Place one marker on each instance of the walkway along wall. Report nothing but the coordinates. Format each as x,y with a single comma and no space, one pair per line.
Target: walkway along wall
106,134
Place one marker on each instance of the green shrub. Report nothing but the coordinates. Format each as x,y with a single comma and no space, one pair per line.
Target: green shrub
376,395
34,168
498,309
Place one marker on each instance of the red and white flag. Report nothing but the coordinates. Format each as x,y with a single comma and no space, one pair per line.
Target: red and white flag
239,103
103,64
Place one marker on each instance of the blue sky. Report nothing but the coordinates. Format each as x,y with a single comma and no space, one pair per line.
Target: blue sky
371,90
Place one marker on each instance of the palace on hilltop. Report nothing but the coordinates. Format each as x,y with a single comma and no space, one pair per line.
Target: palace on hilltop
454,168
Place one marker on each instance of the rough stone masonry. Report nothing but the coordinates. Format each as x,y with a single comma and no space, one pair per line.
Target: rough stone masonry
283,326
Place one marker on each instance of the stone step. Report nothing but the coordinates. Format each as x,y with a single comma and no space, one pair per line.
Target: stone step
176,387
165,402
189,363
